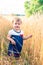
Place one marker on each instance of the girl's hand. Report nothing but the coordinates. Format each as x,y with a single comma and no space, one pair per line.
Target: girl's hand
30,36
13,42
27,37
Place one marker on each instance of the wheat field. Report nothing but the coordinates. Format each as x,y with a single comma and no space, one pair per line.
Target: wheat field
32,51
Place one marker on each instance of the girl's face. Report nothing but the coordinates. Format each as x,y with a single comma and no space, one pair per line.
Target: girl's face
16,25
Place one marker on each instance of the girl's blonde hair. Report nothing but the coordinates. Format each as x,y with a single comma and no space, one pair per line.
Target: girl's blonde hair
16,19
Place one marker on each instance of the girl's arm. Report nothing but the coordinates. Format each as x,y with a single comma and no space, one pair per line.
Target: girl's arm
10,39
27,37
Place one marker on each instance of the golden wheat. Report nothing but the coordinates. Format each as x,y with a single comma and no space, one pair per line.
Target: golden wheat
32,48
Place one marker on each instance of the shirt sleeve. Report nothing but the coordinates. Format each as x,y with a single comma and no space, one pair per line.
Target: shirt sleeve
22,34
9,33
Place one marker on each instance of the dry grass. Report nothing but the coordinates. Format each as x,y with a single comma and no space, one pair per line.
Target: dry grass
32,52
